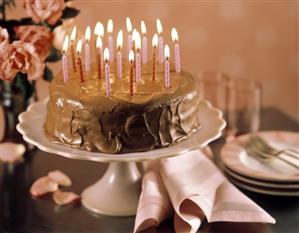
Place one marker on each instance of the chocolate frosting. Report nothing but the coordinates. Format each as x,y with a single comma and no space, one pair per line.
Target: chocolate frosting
81,116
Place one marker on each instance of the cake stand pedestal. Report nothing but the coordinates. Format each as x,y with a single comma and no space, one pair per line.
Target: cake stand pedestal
117,192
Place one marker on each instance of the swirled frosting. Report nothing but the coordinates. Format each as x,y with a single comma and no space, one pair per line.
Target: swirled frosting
81,116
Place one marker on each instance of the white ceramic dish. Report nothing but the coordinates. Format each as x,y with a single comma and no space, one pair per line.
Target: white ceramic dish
235,158
268,191
260,183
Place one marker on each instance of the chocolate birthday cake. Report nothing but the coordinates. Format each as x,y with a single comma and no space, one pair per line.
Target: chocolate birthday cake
80,115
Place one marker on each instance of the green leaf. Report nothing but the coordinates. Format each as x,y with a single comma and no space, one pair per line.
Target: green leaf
23,86
69,12
54,55
48,74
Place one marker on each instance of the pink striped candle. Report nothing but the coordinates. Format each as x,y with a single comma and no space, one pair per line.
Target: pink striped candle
64,59
144,50
160,43
175,38
119,54
87,49
119,64
138,59
167,83
87,57
107,72
160,50
144,43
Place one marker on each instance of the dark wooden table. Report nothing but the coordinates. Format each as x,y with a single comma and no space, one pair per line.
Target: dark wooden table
19,212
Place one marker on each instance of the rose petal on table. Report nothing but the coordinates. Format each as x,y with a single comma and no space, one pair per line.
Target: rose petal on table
60,178
43,186
63,198
11,152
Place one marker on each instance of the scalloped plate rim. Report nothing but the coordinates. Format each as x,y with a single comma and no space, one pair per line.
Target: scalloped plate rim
74,153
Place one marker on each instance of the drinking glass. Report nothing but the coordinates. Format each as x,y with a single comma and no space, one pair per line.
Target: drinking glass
243,106
213,87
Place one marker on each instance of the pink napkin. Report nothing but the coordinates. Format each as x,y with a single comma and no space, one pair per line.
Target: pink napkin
193,188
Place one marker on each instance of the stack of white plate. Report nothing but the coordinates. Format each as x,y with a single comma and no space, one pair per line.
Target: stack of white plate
273,178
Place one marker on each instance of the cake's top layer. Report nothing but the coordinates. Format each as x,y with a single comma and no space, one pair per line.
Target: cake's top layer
146,91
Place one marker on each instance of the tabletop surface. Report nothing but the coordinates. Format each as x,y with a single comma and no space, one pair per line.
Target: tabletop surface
19,212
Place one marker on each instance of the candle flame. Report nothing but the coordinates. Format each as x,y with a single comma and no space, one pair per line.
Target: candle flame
65,44
134,34
159,26
155,40
73,34
166,52
99,42
120,39
137,40
99,29
87,34
174,35
106,54
128,24
79,46
110,26
131,56
143,28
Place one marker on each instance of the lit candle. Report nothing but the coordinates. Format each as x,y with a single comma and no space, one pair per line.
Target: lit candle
133,39
129,29
87,49
144,43
79,60
99,51
64,59
138,60
131,59
110,39
161,42
154,43
119,55
175,38
99,30
167,67
107,71
73,38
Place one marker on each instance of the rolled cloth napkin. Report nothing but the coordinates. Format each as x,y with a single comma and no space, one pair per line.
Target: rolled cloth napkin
191,188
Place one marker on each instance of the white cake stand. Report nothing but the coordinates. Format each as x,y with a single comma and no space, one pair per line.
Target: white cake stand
117,192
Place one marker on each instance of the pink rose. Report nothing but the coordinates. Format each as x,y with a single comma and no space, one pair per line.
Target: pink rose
20,57
40,37
4,38
44,10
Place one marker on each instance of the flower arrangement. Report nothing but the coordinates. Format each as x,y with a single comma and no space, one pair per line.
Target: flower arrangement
27,45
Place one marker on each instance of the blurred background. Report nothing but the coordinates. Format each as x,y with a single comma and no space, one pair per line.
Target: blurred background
245,39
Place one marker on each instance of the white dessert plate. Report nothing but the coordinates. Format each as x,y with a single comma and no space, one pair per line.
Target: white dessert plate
268,191
235,158
32,121
261,183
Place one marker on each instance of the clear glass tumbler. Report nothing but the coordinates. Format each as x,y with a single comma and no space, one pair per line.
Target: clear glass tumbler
244,99
213,87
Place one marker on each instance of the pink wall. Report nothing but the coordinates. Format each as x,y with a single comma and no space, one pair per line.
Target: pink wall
245,39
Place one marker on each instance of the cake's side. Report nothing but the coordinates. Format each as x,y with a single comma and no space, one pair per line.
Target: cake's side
79,115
